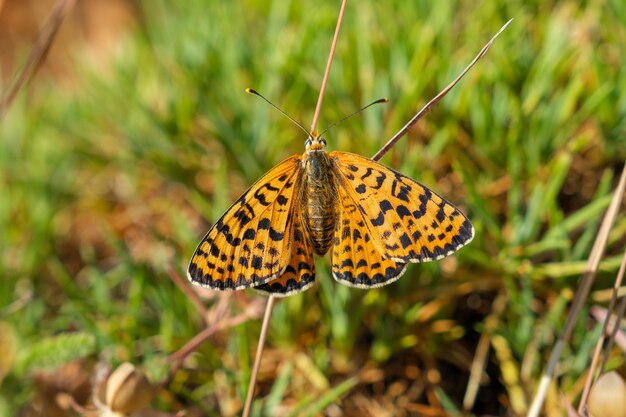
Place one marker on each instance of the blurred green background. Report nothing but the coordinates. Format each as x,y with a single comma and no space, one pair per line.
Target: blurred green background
119,156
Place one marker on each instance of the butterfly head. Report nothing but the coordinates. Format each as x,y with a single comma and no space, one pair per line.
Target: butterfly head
315,142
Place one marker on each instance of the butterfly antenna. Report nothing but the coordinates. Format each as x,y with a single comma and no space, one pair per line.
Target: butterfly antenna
380,100
256,93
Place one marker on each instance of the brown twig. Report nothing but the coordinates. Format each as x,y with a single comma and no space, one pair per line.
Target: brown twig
596,354
189,292
37,53
259,354
331,54
601,314
619,315
436,99
181,354
482,351
581,295
270,300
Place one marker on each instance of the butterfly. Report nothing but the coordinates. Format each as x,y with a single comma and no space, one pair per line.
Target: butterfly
374,220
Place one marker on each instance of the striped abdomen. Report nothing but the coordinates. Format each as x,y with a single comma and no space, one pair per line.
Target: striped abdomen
319,197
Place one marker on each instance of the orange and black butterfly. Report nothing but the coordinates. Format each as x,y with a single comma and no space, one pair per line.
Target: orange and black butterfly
374,219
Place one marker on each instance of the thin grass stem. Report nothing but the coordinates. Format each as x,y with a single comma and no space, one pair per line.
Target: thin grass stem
270,301
331,54
581,295
619,315
259,354
605,329
437,98
37,53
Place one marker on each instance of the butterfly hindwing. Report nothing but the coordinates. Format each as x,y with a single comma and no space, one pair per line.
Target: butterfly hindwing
300,273
251,244
356,261
406,221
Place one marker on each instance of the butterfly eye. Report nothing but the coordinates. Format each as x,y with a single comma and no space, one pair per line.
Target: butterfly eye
308,142
323,141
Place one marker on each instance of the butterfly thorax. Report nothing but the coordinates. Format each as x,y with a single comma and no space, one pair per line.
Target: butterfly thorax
319,196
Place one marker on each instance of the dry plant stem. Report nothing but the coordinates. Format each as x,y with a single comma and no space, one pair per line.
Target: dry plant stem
618,337
181,354
193,344
331,54
38,52
571,412
436,99
482,351
619,315
596,354
189,292
581,295
259,353
270,301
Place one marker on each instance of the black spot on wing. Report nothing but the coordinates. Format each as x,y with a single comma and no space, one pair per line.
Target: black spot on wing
374,278
424,199
275,235
368,172
380,179
380,220
441,215
249,234
260,197
399,189
257,262
385,206
264,224
402,211
405,241
230,238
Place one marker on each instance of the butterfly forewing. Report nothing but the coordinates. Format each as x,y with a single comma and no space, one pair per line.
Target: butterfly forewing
300,273
251,244
406,221
356,261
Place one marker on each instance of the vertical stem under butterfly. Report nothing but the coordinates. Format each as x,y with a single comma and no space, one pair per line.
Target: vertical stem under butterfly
270,301
259,353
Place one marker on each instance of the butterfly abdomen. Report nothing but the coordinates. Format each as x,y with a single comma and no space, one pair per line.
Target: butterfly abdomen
319,197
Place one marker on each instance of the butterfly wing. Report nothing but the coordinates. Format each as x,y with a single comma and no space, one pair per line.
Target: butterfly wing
251,244
300,273
356,261
406,221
